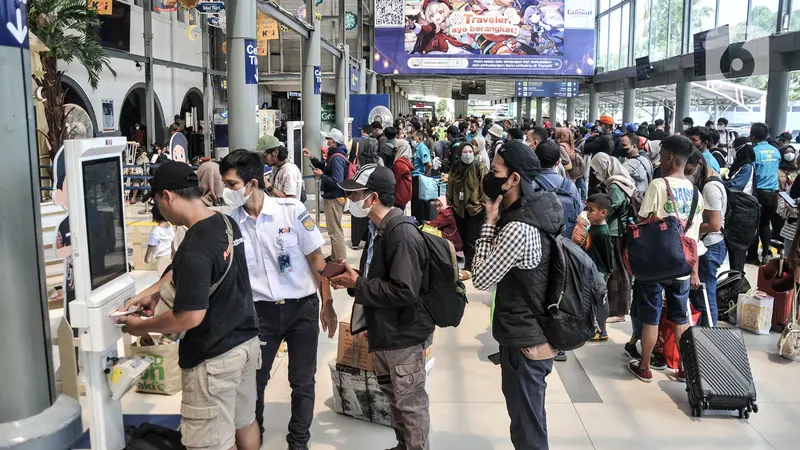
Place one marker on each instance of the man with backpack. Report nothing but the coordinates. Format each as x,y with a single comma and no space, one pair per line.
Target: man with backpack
388,303
331,172
387,146
549,155
514,254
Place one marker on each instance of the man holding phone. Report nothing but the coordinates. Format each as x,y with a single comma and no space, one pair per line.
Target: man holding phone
283,247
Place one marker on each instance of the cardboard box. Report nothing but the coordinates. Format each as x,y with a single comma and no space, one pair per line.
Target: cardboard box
353,351
356,393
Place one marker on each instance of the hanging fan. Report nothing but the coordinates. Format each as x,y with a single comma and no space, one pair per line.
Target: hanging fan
79,124
382,115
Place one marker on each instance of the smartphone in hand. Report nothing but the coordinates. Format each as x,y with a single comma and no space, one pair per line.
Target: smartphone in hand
332,269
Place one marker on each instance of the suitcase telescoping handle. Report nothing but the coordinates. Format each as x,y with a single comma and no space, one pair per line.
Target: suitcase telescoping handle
711,320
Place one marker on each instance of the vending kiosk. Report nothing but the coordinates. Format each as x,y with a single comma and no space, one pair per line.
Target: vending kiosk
100,270
294,142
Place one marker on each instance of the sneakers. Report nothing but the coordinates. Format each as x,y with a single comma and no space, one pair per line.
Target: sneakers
632,351
561,356
635,367
600,336
657,362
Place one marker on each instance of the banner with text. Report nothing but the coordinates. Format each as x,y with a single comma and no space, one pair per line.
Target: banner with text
267,31
513,37
103,7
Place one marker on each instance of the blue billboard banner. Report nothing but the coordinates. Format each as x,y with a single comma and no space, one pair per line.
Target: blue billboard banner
355,79
546,88
480,37
250,61
317,80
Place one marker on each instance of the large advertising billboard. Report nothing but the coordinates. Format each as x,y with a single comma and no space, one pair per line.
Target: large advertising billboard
485,37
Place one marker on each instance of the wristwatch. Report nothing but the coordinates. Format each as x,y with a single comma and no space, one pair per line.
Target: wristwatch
270,189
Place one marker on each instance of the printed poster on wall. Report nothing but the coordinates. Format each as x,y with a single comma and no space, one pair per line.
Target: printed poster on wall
474,37
166,6
103,7
108,115
267,31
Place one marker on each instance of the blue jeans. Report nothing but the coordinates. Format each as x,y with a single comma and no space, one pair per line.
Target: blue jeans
524,388
707,268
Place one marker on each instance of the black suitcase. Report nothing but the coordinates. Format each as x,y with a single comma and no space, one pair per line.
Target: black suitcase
717,371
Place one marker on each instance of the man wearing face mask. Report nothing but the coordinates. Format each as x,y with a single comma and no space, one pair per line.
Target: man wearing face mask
513,252
726,137
688,123
283,247
387,302
285,180
331,172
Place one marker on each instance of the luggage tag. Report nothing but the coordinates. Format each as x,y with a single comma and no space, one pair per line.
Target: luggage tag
461,196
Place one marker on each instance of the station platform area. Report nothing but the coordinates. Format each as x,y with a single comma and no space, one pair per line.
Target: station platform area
593,402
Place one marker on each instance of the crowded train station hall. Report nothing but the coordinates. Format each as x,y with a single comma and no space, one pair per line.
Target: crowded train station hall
399,224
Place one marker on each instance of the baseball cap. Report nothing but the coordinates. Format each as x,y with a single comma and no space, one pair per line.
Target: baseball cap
372,177
519,158
606,120
452,130
267,142
642,131
496,130
173,175
334,135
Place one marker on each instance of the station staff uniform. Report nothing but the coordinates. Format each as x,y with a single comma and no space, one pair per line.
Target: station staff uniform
286,301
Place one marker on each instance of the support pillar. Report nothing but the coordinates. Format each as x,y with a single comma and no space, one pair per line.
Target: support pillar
395,100
683,101
372,87
571,110
777,101
242,97
312,102
553,111
519,101
149,93
208,90
32,415
594,105
628,104
527,112
362,78
342,90
539,112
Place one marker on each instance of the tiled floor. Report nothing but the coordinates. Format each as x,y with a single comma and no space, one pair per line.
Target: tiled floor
468,410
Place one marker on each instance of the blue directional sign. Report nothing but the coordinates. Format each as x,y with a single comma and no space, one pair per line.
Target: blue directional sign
546,88
13,23
317,80
210,7
250,61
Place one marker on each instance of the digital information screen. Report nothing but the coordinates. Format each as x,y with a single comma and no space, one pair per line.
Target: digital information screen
105,228
485,37
546,88
298,145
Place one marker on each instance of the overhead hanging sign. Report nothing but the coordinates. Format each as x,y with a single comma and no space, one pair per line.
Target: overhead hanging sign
546,88
210,7
250,61
267,31
103,7
166,6
486,37
317,80
217,20
13,24
355,79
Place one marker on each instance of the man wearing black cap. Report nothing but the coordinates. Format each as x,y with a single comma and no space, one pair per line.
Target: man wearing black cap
514,254
387,302
213,304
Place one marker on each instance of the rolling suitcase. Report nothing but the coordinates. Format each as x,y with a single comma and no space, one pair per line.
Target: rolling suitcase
718,375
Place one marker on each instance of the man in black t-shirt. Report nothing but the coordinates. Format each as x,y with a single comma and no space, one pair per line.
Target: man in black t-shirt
213,304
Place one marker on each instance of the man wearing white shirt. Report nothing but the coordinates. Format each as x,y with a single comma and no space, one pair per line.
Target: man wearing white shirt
285,180
283,247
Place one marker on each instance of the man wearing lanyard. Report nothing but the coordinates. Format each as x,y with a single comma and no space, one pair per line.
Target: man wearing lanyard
766,183
283,247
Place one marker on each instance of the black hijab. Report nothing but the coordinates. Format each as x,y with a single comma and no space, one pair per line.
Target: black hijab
744,154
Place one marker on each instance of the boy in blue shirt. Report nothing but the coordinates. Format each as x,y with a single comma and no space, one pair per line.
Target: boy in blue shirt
422,155
701,138
766,165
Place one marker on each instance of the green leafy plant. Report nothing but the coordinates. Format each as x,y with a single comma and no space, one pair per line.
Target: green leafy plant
69,31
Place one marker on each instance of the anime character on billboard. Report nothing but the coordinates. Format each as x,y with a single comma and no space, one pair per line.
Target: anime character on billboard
543,27
507,11
431,28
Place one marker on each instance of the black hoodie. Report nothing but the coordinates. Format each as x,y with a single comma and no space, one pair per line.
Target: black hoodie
521,294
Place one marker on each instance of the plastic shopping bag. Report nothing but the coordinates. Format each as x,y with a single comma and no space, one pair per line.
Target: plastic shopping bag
754,312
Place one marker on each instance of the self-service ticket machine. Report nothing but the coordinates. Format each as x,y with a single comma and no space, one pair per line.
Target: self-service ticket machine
348,133
102,282
294,142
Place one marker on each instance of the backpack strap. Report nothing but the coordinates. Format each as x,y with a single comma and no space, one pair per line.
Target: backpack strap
695,199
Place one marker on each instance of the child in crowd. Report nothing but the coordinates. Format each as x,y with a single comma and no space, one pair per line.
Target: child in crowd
600,248
159,247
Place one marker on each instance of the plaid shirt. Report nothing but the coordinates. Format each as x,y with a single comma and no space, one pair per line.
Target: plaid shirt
516,245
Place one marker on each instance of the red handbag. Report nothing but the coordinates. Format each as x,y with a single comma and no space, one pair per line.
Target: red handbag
666,238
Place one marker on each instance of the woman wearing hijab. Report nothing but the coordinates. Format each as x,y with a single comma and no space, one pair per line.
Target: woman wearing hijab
402,168
445,223
787,169
465,194
618,184
211,185
740,174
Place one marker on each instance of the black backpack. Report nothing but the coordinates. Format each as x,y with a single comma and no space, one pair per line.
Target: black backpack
369,154
742,216
148,436
576,292
443,294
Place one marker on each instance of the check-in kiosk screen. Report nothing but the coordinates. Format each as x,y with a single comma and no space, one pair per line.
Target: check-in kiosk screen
104,227
298,146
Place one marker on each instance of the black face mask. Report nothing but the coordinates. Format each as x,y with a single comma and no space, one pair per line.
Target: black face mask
493,186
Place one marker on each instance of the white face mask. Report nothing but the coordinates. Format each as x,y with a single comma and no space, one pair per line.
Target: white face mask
789,157
720,127
357,209
236,198
468,158
685,127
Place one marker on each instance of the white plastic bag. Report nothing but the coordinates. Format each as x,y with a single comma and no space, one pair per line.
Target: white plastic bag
754,312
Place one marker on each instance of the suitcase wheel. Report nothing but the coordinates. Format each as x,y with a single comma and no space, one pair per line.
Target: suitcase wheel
755,408
744,414
697,412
